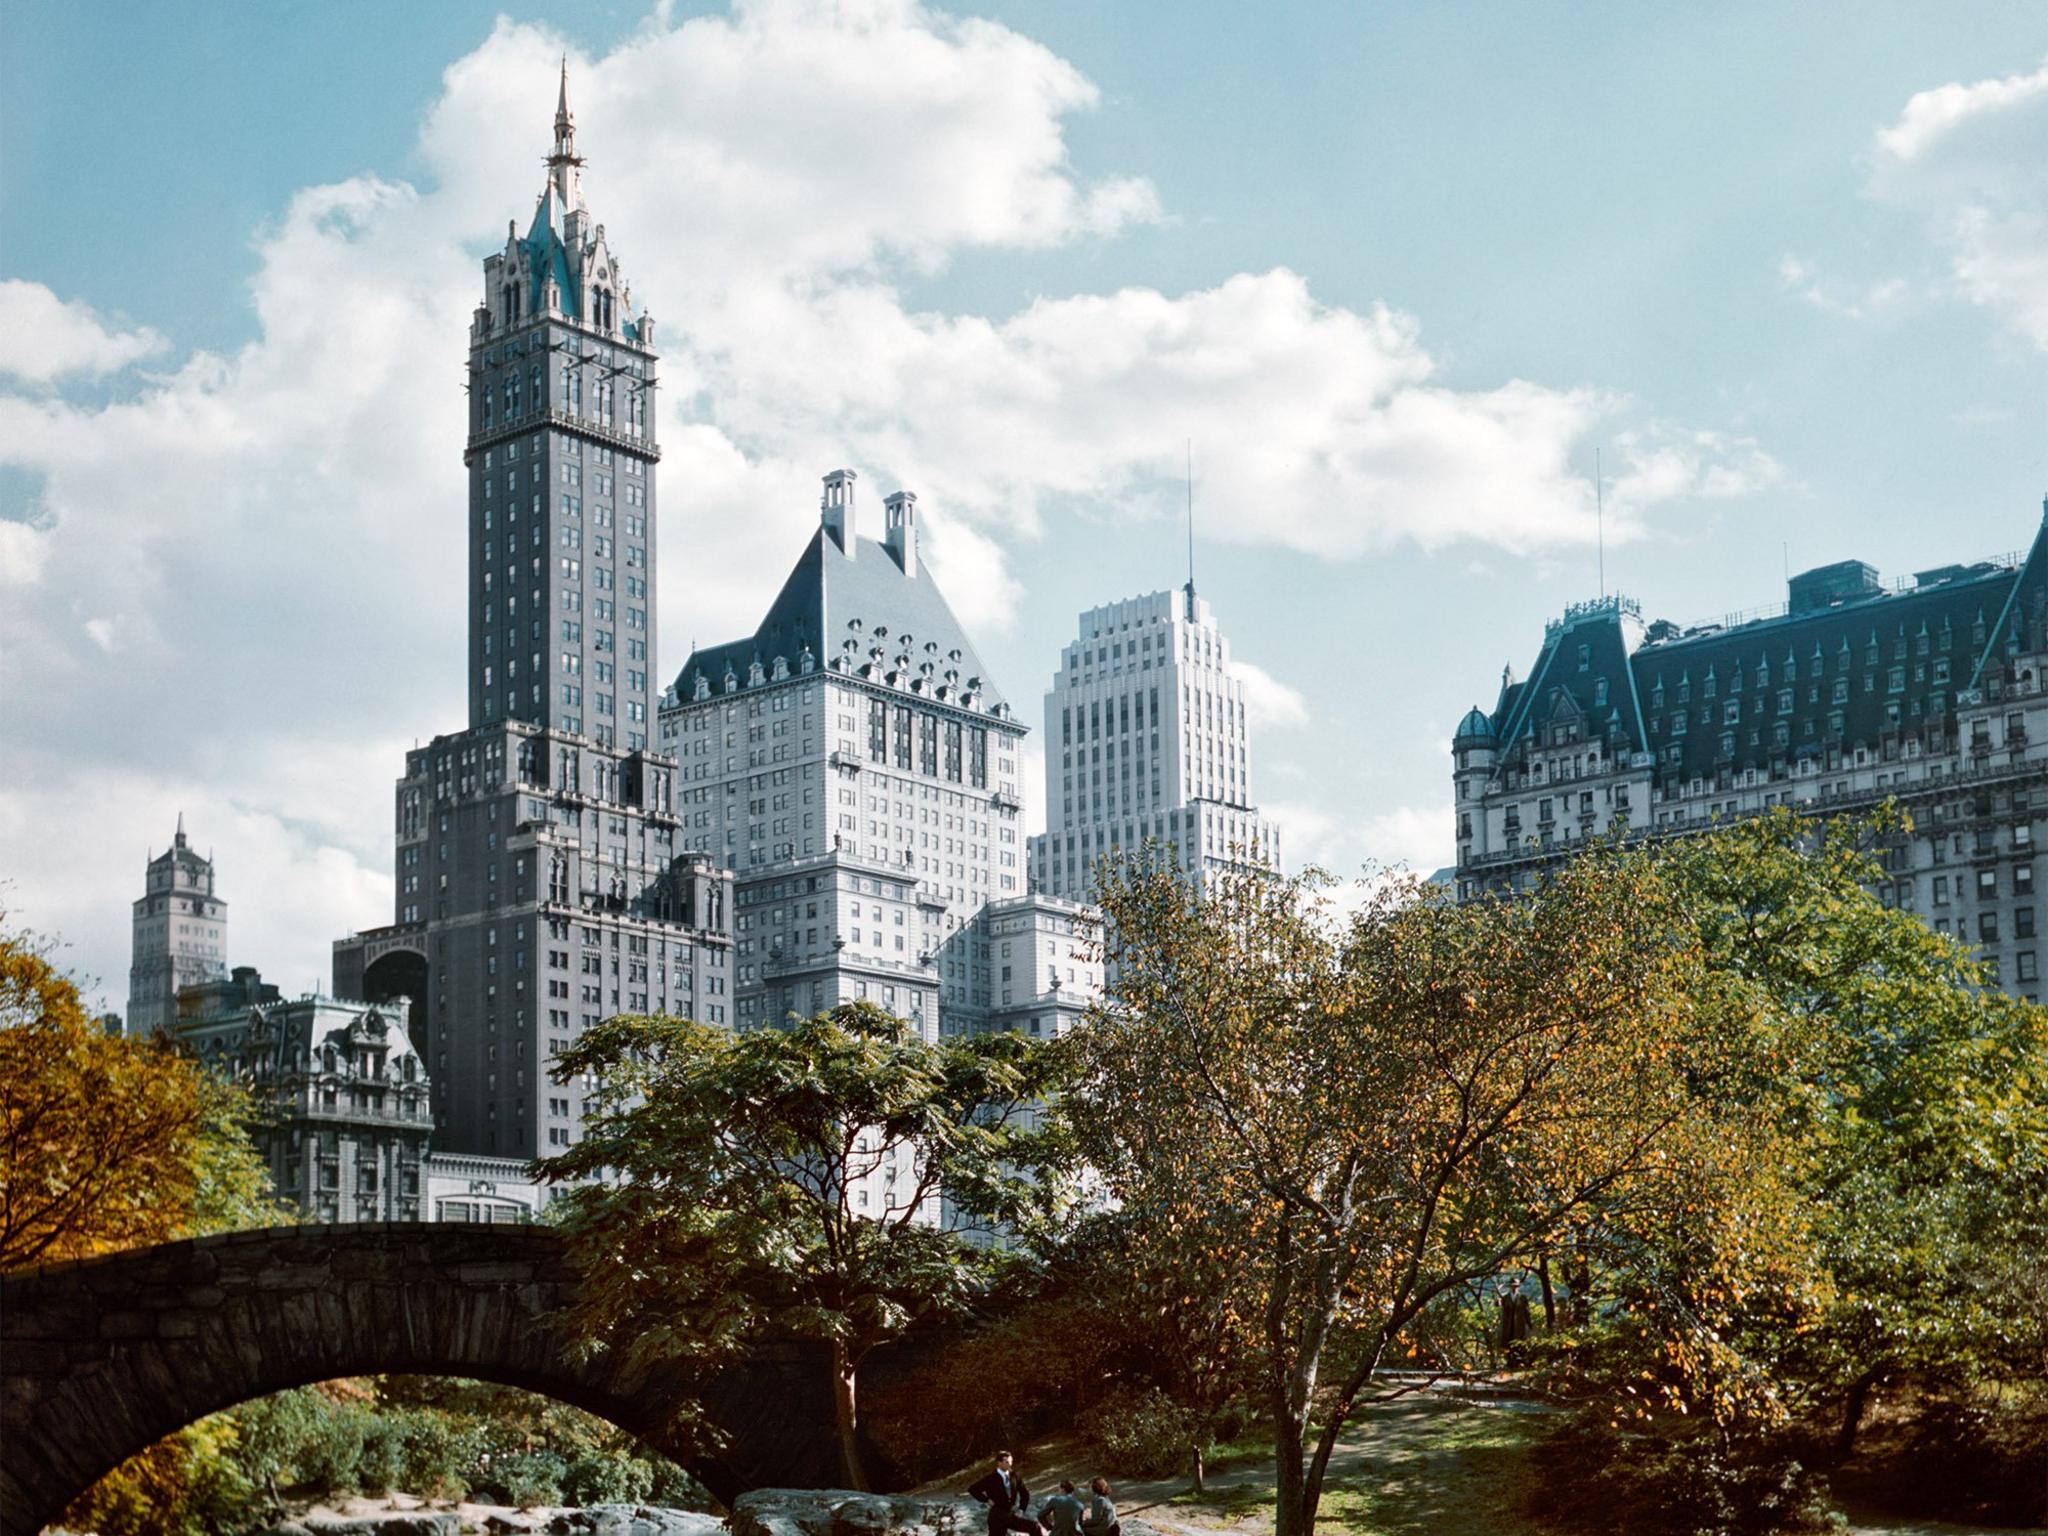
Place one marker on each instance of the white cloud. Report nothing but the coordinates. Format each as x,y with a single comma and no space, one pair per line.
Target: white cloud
288,891
1267,700
1969,159
241,575
44,338
1417,838
1835,296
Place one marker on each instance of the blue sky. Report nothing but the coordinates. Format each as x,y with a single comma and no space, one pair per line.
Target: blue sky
1399,271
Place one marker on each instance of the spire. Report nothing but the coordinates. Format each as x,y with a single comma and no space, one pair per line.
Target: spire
562,162
179,840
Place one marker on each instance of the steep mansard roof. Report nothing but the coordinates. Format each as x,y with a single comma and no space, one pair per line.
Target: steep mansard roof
850,613
1799,683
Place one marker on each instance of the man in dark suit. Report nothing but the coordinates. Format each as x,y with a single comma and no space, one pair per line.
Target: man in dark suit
1007,1498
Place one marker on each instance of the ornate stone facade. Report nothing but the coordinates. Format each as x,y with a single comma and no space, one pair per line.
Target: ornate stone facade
1932,692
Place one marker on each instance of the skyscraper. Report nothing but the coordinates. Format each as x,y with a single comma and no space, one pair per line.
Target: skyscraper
1147,738
855,765
181,936
541,881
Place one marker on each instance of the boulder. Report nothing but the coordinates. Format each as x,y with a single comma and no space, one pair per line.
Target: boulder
840,1512
633,1520
369,1525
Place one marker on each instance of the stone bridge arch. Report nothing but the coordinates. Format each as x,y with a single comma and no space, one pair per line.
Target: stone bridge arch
103,1357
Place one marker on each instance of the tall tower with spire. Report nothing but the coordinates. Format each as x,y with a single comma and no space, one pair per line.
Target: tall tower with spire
541,884
181,935
561,460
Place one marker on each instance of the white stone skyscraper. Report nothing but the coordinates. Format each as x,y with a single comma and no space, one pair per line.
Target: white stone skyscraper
1147,738
855,765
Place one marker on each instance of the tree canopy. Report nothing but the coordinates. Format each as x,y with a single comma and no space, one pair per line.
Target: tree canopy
1378,1109
835,1180
107,1142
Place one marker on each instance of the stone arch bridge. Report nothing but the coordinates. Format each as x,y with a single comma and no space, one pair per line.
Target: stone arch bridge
105,1356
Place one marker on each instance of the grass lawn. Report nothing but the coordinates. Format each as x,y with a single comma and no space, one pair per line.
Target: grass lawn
1420,1465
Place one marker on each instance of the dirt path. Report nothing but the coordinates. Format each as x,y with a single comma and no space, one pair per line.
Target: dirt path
1425,1466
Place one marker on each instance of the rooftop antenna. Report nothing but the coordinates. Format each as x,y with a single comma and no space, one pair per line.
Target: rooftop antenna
1191,529
1600,519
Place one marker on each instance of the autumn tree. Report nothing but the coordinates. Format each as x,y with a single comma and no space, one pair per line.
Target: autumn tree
107,1142
1380,1109
731,1175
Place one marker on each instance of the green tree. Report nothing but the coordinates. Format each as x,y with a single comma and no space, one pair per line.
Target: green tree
1384,1108
1888,1111
735,1171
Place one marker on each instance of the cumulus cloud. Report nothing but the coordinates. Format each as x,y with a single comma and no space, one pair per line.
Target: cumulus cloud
238,577
44,338
1267,700
1969,158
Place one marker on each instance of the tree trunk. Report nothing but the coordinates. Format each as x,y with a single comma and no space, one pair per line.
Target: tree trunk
1290,1484
1852,1416
847,1418
1200,1485
1578,1281
1549,1295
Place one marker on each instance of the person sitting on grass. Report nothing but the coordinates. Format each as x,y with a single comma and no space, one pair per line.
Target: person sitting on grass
1061,1515
1008,1500
1099,1519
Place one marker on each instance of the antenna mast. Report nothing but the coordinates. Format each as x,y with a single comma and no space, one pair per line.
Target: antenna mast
1600,518
1191,528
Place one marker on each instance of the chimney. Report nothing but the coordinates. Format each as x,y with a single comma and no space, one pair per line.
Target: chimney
900,511
836,511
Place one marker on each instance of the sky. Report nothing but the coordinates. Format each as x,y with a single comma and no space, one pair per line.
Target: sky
1399,275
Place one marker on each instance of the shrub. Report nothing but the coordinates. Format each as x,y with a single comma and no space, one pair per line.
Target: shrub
440,1453
1675,1481
673,1488
1142,1434
1975,1460
600,1477
524,1478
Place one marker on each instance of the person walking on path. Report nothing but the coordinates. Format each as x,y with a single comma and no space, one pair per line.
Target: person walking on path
1061,1514
1008,1500
1099,1519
